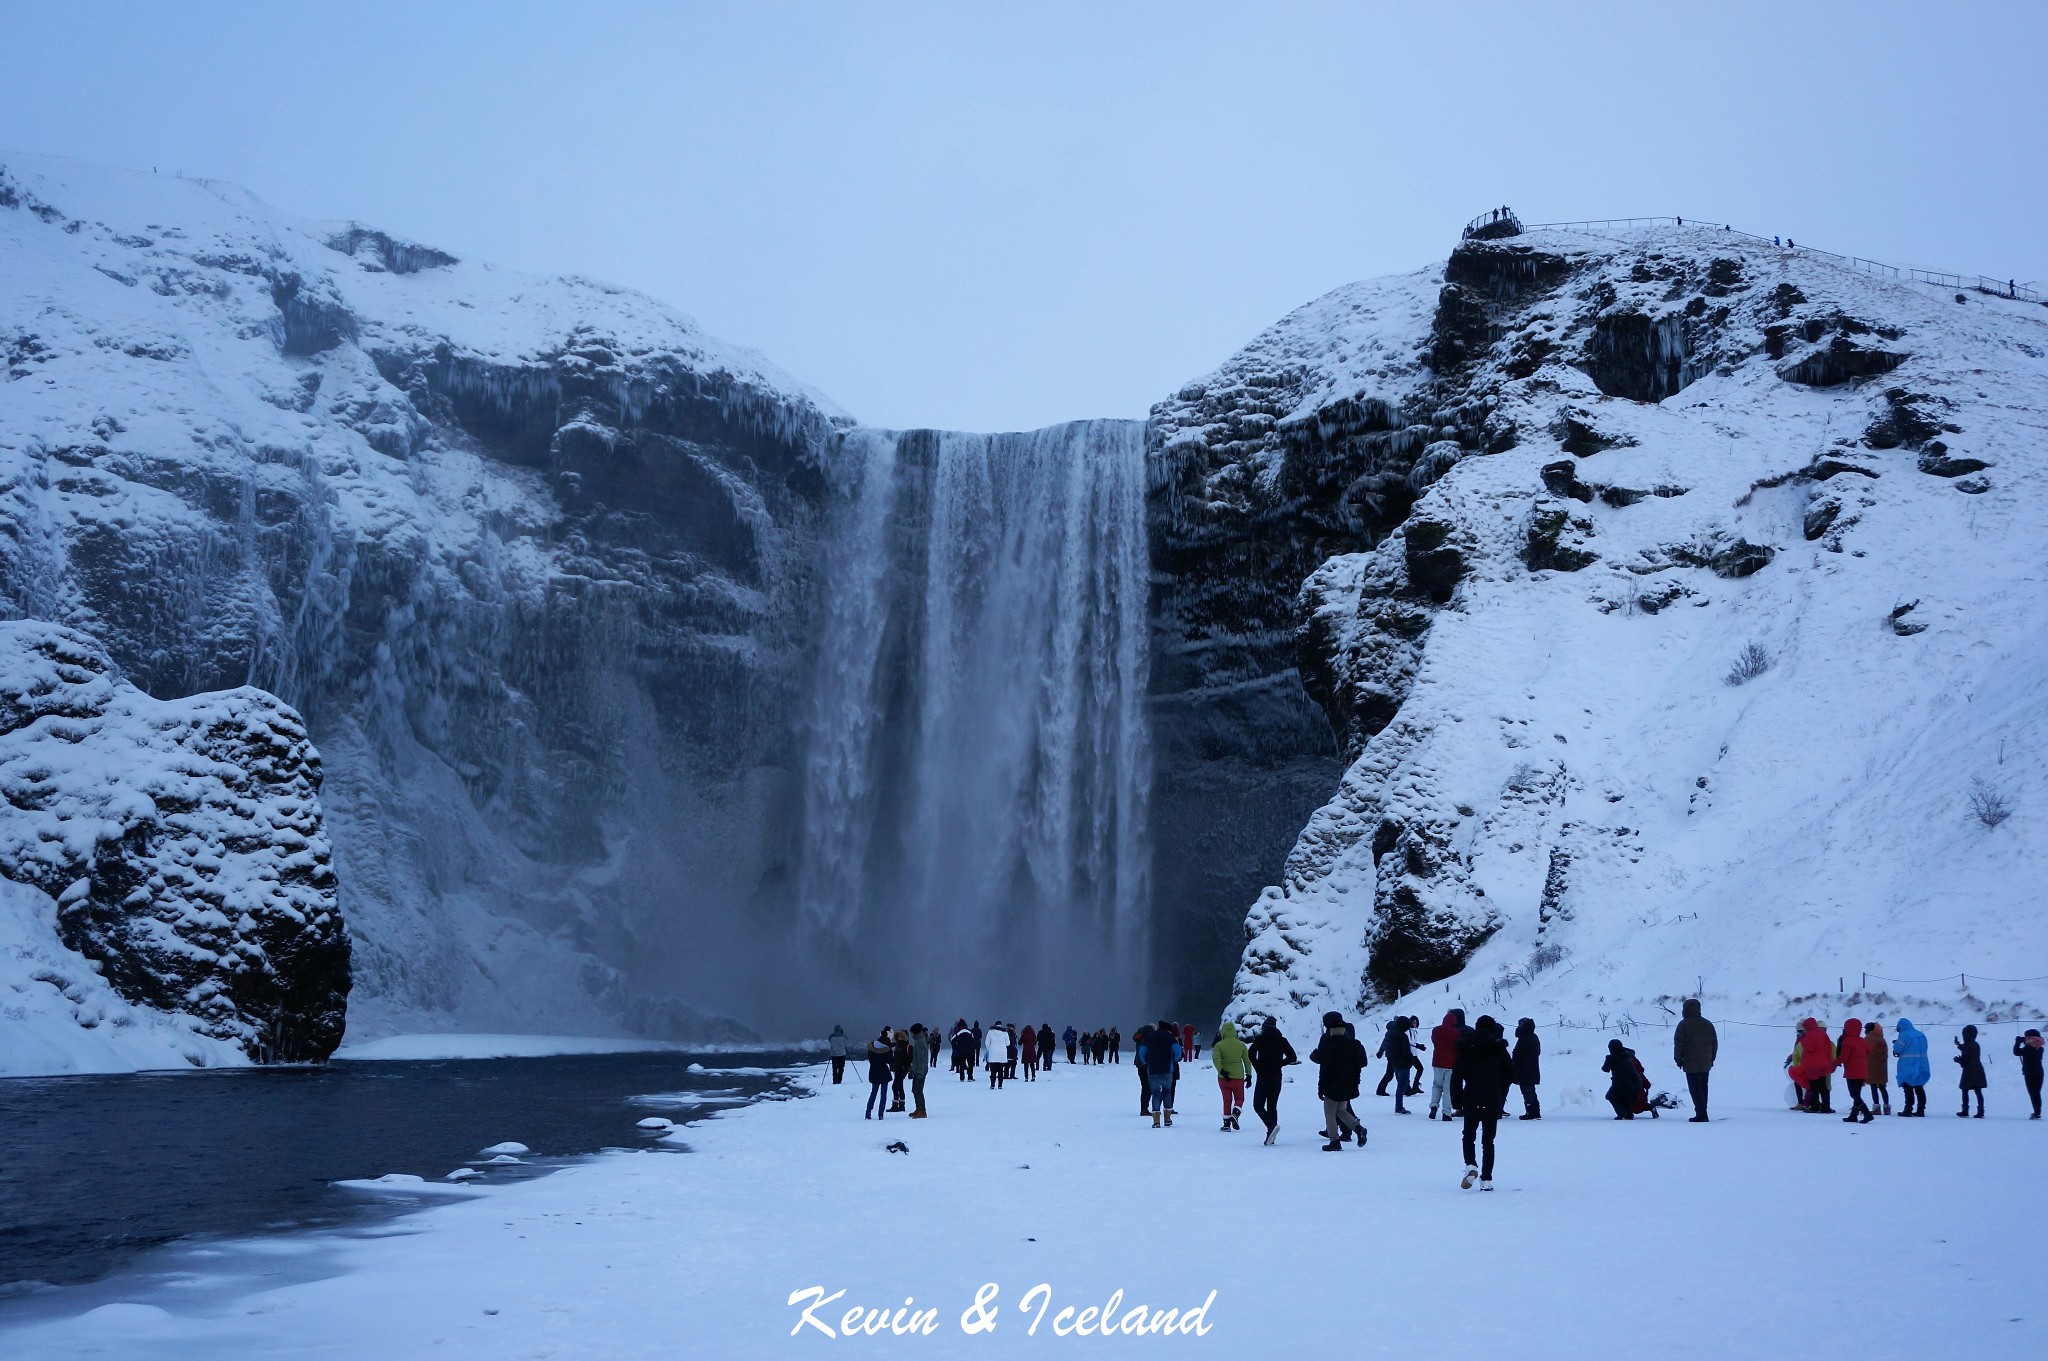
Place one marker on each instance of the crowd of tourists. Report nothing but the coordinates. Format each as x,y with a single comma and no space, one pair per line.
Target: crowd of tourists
1472,1070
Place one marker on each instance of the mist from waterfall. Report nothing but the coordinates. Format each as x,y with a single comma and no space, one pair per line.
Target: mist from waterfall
978,771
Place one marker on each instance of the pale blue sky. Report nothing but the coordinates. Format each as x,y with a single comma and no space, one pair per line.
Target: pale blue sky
995,216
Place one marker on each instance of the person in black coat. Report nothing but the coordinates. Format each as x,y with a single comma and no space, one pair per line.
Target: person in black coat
1394,1048
1528,1057
1342,1059
1624,1083
2027,1049
1479,1089
879,1052
1269,1052
1971,1057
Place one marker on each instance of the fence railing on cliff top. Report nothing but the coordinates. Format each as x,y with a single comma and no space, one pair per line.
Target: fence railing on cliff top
1980,283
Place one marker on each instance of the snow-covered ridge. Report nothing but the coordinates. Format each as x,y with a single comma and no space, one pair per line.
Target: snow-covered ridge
1574,788
182,844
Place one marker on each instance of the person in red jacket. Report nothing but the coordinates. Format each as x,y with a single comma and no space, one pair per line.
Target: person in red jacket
1854,1054
1027,1041
1443,1057
1816,1065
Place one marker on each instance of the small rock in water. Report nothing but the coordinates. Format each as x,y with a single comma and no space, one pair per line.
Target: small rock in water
694,1068
655,1122
502,1160
508,1147
462,1174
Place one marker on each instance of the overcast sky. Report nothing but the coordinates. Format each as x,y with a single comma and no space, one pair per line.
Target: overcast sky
995,216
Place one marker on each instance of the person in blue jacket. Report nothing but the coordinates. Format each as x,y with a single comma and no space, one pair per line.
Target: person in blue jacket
1159,1057
1909,1047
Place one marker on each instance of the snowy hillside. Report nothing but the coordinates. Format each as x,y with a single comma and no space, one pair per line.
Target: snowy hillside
527,554
1685,673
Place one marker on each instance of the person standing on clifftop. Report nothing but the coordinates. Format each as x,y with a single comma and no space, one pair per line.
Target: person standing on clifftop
1694,1047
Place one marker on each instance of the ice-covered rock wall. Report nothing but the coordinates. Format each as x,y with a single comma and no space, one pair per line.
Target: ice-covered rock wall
531,556
1703,632
181,842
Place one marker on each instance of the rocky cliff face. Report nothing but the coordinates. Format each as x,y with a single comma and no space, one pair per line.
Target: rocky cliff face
530,556
181,841
1618,663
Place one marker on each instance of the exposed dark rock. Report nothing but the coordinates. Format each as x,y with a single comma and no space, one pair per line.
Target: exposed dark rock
1936,461
1562,478
1908,421
309,319
1556,539
1575,436
1902,625
1640,357
1840,360
1435,564
1821,513
400,257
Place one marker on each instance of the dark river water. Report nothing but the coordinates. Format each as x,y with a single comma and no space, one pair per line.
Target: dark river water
96,1170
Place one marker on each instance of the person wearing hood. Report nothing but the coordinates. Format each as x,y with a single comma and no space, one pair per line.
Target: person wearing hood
899,1067
879,1050
1910,1049
1624,1081
835,1043
1341,1059
1071,1038
1394,1049
1971,1057
1816,1066
1880,1065
963,1051
2027,1049
1269,1053
1528,1058
1443,1057
995,1054
932,1044
920,1068
1694,1047
1231,1059
1159,1055
1479,1088
1045,1042
1027,1044
1853,1051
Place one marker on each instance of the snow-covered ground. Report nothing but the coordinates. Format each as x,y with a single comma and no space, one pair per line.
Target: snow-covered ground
1764,1234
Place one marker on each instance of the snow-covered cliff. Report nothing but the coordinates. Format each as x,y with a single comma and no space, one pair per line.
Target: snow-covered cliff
1719,615
529,555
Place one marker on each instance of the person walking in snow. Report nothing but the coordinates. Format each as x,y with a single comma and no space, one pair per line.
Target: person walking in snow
1027,1047
920,1068
1528,1057
1269,1053
1971,1058
1816,1067
1880,1065
1694,1047
964,1051
1341,1060
1189,1043
1910,1049
1409,1025
879,1050
1045,1046
1394,1049
1625,1080
1443,1057
1232,1062
1158,1056
931,1039
995,1054
2027,1049
1116,1046
836,1044
1071,1038
1479,1081
1853,1052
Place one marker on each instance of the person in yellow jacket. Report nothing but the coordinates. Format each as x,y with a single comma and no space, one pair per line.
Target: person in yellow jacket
1233,1065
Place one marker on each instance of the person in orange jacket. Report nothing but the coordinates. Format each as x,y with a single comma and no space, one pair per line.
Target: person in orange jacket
1816,1066
1854,1053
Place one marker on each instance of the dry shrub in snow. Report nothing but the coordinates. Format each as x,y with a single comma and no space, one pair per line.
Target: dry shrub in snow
1751,663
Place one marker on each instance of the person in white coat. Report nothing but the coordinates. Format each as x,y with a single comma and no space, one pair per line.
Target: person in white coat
995,1052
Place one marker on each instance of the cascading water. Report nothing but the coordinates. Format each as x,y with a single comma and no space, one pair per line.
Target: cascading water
975,805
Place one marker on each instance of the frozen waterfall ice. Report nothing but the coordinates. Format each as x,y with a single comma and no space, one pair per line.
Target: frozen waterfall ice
975,800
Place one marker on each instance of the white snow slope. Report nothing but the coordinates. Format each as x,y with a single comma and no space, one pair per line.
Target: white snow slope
1629,824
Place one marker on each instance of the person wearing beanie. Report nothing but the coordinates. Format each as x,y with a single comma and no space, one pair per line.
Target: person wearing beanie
1479,1090
2027,1049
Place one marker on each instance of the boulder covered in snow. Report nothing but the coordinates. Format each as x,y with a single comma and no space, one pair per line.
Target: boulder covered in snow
181,841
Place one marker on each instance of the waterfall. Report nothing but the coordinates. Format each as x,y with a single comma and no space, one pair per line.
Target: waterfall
978,771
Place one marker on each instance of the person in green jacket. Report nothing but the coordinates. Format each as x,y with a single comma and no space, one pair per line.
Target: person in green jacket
1233,1065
